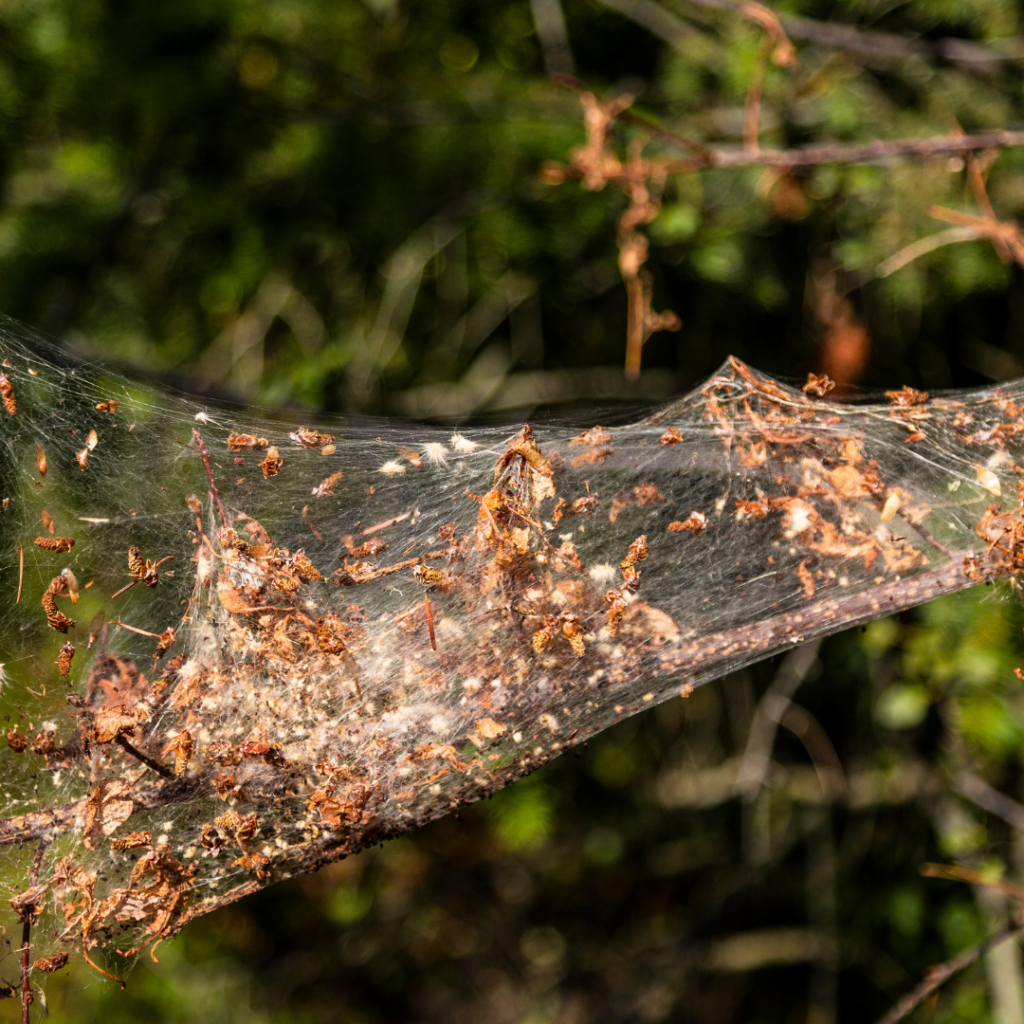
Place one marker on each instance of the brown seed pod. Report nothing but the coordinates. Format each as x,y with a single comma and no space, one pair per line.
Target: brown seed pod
41,459
60,544
47,521
7,395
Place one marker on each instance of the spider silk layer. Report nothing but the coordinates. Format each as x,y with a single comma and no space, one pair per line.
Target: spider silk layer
235,651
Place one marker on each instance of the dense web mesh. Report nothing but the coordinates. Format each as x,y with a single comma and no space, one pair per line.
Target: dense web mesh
332,636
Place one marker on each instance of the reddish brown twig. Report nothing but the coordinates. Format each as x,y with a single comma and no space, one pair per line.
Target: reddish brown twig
21,572
214,493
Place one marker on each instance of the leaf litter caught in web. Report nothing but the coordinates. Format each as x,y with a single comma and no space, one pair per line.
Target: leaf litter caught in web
327,653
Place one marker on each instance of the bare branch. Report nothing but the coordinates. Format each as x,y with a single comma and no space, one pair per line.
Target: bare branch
879,45
979,792
922,246
553,35
938,976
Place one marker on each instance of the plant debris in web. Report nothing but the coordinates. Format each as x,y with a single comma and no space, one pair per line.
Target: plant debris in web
236,651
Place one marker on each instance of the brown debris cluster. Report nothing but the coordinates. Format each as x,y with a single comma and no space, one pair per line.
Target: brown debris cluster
493,630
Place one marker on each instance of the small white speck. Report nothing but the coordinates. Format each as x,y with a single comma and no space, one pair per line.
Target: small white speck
201,417
392,468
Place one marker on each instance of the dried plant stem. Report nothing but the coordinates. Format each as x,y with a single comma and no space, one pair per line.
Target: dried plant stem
752,108
26,938
134,751
214,493
938,976
21,572
922,246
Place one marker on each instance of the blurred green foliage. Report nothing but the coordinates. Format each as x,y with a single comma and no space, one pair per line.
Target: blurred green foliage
339,206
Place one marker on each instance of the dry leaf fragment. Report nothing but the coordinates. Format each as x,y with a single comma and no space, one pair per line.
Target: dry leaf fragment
891,506
672,435
806,579
239,442
907,397
596,436
411,456
326,486
306,438
7,395
17,740
41,459
695,523
988,480
49,964
106,808
116,721
110,407
489,728
67,652
82,458
818,385
132,841
271,464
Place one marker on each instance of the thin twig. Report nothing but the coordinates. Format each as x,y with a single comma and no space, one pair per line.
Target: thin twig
770,712
21,572
979,792
872,152
869,43
922,246
938,976
214,493
128,748
960,873
26,937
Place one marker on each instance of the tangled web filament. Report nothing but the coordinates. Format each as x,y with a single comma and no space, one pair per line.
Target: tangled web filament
236,652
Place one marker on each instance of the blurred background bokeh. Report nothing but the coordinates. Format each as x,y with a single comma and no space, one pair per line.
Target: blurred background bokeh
342,207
